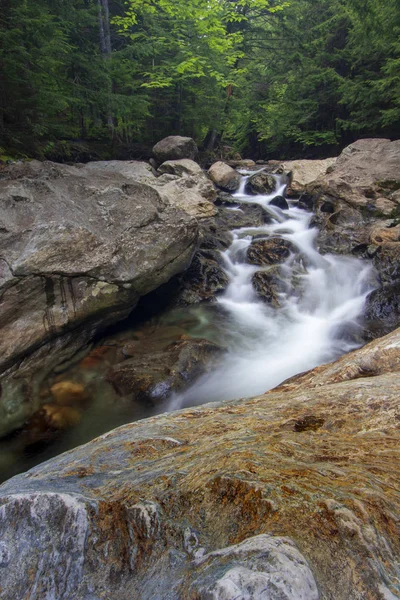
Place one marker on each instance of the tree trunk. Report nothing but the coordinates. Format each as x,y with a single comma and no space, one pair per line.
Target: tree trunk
105,46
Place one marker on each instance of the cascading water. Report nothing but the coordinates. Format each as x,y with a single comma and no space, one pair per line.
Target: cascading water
315,321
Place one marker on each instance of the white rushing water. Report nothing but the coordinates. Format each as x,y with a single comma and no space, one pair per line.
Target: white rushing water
316,319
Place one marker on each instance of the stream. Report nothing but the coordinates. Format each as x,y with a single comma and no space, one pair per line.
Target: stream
316,322
313,318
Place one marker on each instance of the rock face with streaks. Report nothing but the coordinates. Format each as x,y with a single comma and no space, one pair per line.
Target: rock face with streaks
293,495
79,245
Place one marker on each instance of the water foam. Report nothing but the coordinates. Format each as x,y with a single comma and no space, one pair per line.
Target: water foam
315,323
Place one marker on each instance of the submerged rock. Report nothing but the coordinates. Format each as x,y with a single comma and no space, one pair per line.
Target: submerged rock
293,495
66,393
155,376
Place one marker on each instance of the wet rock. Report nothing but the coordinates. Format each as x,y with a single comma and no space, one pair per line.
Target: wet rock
280,202
155,376
269,285
260,183
215,233
385,259
204,279
246,215
294,492
225,199
342,229
175,147
306,202
382,310
269,251
224,176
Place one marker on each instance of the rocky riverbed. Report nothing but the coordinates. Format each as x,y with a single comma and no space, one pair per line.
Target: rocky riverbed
289,495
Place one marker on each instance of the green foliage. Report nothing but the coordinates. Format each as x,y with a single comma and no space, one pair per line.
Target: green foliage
270,77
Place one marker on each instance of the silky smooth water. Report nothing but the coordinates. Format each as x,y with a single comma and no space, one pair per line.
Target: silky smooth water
318,316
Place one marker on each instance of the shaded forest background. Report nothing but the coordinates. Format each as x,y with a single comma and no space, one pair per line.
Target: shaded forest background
89,79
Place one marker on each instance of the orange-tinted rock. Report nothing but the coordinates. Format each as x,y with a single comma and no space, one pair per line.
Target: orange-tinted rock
61,417
66,393
307,474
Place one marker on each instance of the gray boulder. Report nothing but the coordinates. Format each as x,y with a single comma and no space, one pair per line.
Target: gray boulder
185,166
175,147
224,176
366,175
79,246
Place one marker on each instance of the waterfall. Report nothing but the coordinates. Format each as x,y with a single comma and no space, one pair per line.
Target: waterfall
316,320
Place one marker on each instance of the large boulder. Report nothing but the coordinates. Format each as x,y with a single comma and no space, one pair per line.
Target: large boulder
79,246
224,176
175,147
304,172
183,184
291,495
364,175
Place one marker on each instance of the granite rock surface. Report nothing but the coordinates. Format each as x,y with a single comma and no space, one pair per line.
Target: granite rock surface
291,495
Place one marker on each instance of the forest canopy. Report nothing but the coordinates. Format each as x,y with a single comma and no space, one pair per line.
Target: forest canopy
107,78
